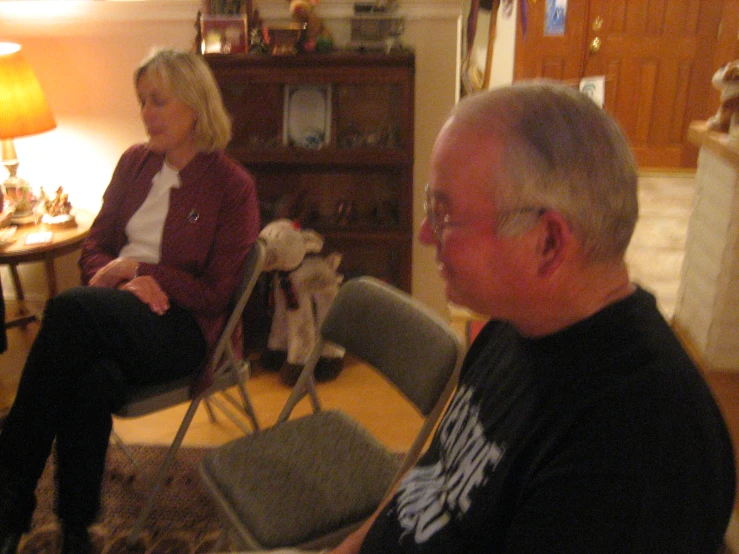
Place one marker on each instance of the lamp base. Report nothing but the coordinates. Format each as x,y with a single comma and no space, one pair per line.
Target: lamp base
19,192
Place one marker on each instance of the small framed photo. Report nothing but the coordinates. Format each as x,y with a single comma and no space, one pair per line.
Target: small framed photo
307,117
223,34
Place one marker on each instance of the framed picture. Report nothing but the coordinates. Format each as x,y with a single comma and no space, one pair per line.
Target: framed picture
223,34
307,117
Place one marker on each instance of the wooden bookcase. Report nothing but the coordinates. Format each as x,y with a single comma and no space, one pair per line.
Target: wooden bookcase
329,138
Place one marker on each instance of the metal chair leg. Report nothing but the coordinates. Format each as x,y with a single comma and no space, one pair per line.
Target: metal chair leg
161,474
209,409
126,450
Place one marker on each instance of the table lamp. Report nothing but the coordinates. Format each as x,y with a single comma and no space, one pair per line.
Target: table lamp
23,111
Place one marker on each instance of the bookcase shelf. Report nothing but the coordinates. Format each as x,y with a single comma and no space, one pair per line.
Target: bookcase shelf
329,138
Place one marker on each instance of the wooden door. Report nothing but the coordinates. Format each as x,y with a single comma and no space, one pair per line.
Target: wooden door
657,57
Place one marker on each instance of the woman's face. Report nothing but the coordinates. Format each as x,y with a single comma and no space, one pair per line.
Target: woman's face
169,122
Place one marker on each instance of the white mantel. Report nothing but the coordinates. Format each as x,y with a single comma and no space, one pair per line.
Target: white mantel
707,311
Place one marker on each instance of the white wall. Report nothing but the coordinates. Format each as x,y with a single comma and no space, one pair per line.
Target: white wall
505,40
84,53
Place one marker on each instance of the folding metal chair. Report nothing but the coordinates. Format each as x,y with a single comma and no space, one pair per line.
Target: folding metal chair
310,481
228,370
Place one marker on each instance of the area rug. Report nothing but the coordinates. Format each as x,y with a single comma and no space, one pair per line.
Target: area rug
184,520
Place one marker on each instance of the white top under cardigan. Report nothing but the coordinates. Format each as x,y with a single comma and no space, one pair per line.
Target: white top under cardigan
144,229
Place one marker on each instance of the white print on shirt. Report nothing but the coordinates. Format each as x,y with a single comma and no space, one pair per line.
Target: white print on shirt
428,495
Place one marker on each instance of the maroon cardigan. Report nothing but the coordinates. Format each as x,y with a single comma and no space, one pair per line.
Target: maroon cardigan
213,220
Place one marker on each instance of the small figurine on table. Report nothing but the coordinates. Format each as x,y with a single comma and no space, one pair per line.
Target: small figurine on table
59,205
58,209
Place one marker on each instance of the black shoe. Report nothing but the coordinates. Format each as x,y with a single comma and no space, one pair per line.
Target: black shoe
16,508
75,539
328,369
289,373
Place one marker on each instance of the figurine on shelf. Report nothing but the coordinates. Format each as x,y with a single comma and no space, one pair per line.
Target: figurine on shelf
317,37
726,80
258,35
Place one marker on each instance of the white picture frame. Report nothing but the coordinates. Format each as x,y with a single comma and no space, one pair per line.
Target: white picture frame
307,116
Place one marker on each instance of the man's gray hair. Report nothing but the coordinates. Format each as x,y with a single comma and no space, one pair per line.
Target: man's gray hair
560,151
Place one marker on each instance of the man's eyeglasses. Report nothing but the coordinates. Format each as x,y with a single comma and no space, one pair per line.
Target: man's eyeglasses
439,220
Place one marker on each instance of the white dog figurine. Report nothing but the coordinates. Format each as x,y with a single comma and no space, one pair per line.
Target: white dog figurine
304,285
726,79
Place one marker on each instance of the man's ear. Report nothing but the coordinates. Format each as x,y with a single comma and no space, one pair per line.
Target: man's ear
554,241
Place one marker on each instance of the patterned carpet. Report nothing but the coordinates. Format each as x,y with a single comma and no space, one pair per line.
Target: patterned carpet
183,521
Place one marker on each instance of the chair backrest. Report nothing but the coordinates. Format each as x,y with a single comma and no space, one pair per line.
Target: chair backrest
401,338
252,269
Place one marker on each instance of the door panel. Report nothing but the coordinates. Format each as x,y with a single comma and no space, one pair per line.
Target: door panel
655,73
551,57
657,57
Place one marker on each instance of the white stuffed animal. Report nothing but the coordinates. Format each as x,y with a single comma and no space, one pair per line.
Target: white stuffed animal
304,285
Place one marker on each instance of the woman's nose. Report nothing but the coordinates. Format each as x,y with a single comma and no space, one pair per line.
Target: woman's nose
146,111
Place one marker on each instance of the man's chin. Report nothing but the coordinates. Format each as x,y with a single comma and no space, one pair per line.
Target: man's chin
452,295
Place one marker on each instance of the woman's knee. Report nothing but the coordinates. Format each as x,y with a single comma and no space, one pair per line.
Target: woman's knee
65,302
79,302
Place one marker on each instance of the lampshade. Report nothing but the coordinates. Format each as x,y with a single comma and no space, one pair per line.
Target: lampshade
23,107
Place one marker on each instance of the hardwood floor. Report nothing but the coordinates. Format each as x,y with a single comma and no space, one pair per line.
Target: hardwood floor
357,389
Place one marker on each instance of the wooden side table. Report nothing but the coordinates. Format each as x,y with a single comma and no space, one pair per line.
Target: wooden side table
64,241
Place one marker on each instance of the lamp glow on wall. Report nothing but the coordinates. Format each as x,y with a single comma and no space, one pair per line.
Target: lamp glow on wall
23,111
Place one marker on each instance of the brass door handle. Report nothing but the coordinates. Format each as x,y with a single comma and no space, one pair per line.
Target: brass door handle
595,45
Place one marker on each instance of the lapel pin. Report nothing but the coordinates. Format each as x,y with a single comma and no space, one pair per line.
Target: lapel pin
193,216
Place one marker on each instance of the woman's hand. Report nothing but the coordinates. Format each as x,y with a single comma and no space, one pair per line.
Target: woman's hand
115,272
149,292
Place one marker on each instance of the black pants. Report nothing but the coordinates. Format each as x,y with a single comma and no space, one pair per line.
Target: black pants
93,345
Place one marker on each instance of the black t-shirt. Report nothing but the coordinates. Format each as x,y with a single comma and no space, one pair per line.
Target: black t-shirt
600,438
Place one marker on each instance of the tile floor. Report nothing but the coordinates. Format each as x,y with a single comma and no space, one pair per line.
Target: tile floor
656,252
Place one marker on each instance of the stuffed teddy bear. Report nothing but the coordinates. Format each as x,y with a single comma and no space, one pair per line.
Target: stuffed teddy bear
317,37
726,79
304,286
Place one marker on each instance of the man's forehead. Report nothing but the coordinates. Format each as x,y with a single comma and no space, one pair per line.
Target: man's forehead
462,191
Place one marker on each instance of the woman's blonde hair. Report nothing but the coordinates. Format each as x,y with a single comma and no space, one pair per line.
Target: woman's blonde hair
190,79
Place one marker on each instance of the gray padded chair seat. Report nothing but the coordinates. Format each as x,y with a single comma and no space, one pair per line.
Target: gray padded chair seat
305,504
